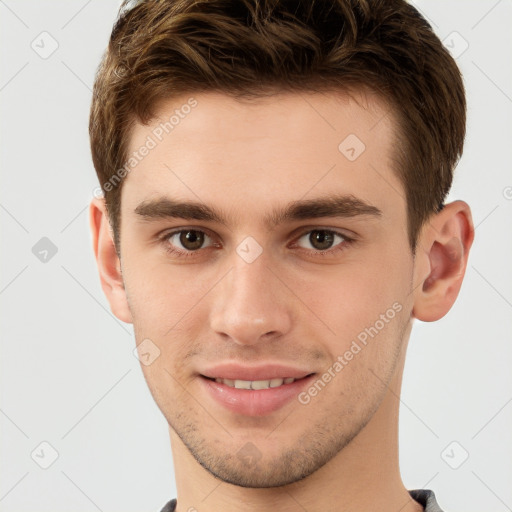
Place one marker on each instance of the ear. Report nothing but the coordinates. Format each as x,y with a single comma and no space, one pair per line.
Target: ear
440,261
109,265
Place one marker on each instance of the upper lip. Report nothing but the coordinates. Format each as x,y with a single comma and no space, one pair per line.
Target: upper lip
234,371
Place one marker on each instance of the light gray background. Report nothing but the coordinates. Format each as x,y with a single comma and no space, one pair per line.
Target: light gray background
68,373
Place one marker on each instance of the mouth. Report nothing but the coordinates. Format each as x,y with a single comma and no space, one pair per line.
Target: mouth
255,384
254,397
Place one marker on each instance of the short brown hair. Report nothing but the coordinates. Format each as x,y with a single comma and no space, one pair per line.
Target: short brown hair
248,48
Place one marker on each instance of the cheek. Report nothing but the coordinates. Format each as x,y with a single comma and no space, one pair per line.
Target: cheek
160,296
169,309
386,276
365,303
351,297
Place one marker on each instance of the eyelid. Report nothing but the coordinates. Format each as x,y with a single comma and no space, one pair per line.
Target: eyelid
345,233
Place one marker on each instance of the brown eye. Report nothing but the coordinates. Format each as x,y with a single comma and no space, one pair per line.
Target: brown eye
187,240
192,240
320,239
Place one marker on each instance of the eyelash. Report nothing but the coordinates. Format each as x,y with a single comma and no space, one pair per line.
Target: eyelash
311,252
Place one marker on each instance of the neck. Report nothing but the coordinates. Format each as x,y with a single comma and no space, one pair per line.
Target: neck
364,476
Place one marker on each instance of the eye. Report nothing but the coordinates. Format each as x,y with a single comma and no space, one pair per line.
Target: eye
318,242
186,240
321,240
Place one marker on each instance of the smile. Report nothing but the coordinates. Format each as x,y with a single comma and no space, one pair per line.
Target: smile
255,384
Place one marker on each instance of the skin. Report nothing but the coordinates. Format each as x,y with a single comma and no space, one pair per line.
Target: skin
291,305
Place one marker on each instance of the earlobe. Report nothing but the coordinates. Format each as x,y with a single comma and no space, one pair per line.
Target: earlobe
441,260
109,266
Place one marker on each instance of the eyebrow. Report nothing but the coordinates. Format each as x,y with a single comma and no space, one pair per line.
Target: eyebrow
343,206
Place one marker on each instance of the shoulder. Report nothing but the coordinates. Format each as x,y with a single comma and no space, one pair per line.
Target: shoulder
170,506
426,498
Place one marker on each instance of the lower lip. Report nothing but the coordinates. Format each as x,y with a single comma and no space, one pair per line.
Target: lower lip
254,402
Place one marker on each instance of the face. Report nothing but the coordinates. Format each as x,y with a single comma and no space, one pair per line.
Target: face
262,242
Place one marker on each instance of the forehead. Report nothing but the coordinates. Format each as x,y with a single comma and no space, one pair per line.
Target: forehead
252,152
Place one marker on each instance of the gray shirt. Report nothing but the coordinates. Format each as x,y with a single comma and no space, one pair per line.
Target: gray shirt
425,497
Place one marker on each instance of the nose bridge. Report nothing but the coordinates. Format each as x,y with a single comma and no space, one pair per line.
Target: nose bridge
247,303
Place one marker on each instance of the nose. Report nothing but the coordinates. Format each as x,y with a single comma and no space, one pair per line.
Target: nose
250,304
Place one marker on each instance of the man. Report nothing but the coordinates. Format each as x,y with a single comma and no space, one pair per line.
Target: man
274,175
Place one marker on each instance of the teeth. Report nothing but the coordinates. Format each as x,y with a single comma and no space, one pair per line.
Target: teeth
255,384
276,382
242,384
258,384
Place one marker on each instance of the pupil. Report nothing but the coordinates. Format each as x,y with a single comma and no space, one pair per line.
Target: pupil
321,240
192,240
